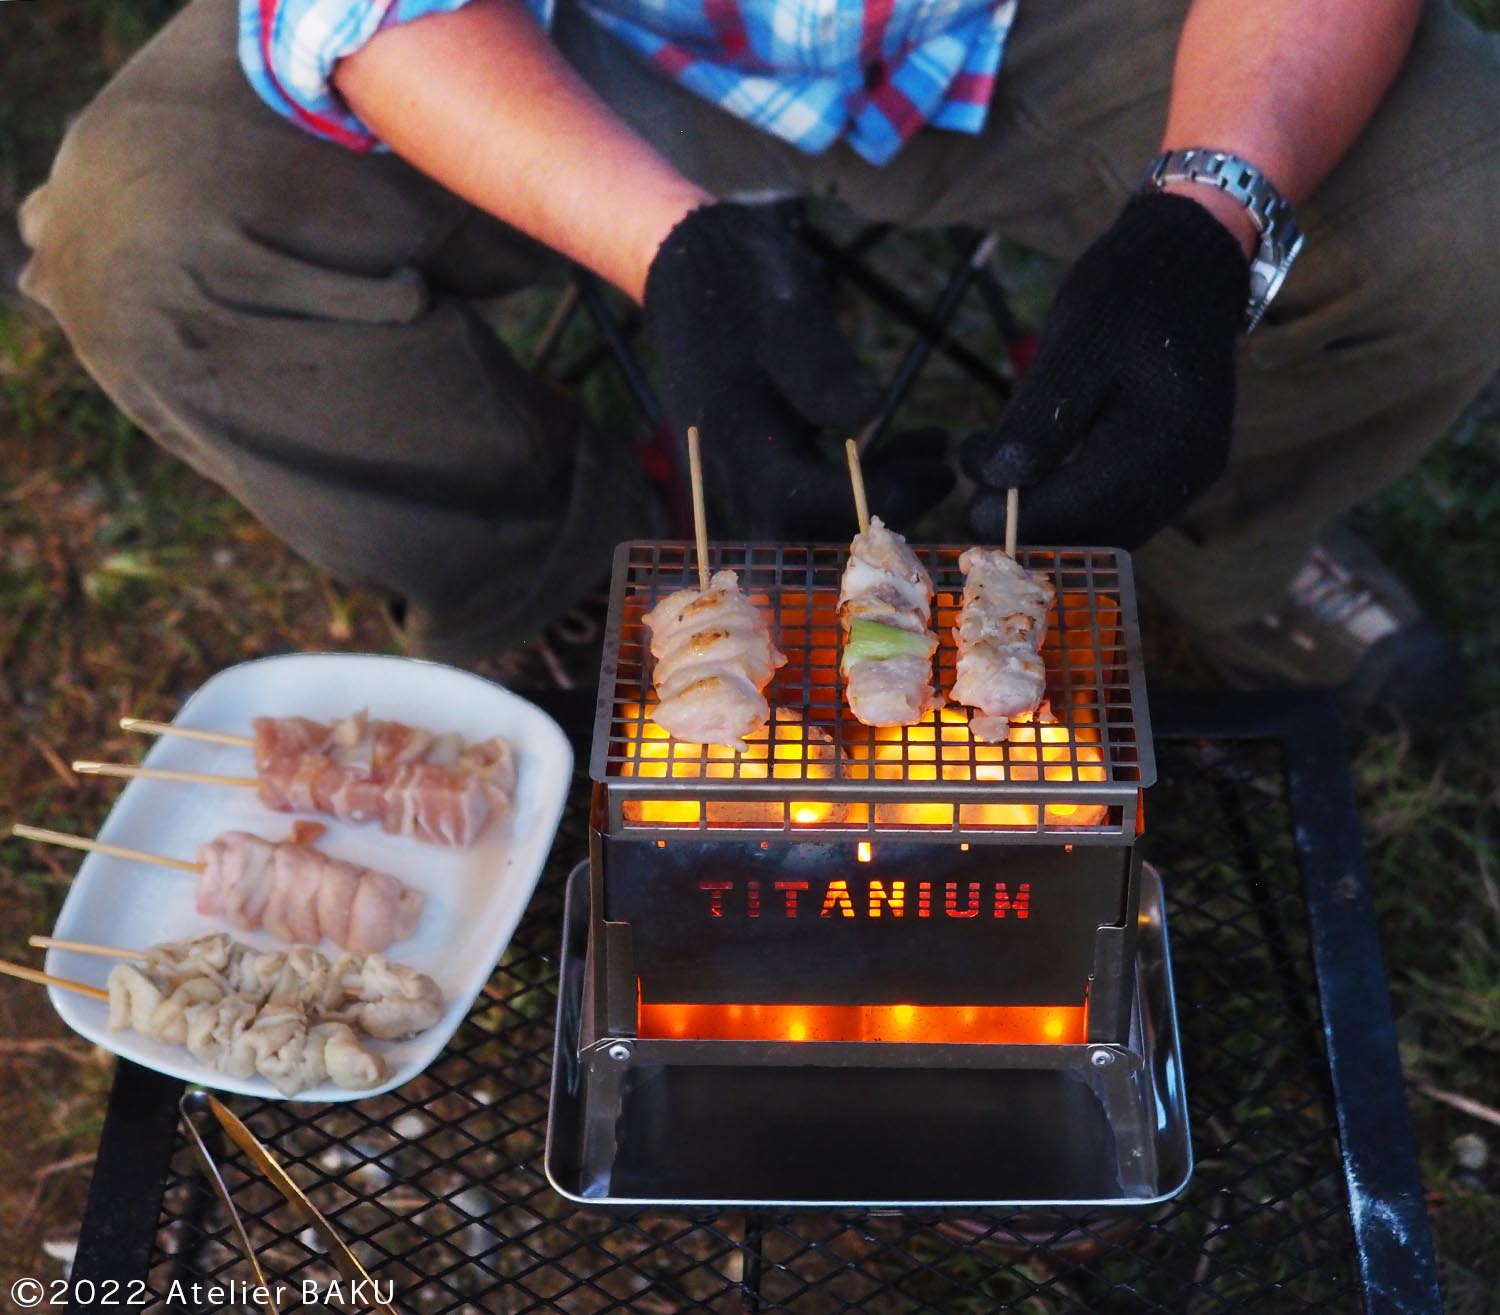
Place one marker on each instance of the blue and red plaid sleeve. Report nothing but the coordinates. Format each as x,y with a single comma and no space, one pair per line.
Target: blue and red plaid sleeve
811,72
288,49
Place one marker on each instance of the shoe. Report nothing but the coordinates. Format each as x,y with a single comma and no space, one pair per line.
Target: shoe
1350,625
565,655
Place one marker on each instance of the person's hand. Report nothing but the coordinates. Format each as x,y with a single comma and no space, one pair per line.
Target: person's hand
750,352
1124,416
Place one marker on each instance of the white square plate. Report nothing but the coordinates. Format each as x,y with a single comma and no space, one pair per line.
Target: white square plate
475,896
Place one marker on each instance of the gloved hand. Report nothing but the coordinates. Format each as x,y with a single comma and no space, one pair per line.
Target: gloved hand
751,354
1124,416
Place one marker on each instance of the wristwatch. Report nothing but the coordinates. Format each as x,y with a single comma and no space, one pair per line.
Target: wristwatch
1269,211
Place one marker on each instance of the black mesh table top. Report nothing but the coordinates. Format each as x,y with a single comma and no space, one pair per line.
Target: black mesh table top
1305,1196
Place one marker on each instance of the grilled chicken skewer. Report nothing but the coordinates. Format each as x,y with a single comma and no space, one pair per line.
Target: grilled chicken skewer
713,650
1000,630
714,658
885,609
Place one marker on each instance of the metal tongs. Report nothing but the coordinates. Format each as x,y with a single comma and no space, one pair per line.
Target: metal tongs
194,1105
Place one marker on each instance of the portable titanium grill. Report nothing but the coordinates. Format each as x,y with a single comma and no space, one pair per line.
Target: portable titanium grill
869,966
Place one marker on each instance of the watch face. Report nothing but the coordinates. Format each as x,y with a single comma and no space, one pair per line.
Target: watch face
1282,268
1267,274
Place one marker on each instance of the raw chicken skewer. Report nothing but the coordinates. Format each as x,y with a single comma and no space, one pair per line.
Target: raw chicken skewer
357,769
296,892
294,1017
713,650
383,999
885,609
999,634
299,894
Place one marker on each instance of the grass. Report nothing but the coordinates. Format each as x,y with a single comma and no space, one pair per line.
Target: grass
125,580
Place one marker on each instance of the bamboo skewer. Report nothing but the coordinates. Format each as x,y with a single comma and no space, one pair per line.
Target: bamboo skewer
857,478
83,947
700,516
145,727
161,774
47,979
1012,514
100,847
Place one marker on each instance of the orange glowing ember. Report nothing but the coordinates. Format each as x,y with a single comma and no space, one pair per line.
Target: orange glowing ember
941,748
975,1024
787,749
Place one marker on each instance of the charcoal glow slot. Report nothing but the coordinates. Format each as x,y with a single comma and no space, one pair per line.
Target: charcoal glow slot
975,1024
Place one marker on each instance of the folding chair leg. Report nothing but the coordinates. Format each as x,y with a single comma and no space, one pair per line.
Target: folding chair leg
918,354
552,332
895,302
664,457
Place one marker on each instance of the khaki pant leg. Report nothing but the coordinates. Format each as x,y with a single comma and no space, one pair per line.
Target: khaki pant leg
1384,331
293,320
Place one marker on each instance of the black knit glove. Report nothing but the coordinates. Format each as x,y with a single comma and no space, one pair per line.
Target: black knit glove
1124,416
750,353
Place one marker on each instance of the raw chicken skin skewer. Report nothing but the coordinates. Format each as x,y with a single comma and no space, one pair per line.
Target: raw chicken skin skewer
885,608
292,890
414,783
299,894
1000,630
295,1018
714,658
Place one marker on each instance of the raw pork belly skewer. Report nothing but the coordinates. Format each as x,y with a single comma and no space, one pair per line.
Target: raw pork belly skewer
885,608
357,769
713,650
1000,630
433,787
296,892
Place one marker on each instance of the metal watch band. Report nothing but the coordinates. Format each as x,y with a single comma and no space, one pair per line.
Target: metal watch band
1269,211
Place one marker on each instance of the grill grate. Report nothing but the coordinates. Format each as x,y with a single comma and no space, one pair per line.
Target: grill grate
441,1182
1099,752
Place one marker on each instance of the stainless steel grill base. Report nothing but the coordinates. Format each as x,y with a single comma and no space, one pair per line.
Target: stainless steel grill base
823,1124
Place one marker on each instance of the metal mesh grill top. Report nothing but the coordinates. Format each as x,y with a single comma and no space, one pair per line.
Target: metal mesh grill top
1099,750
439,1185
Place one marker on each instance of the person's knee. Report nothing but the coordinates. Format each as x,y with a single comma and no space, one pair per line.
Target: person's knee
1433,268
113,226
1425,210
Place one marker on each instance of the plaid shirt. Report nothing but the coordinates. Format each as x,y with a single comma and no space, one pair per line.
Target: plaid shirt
809,71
